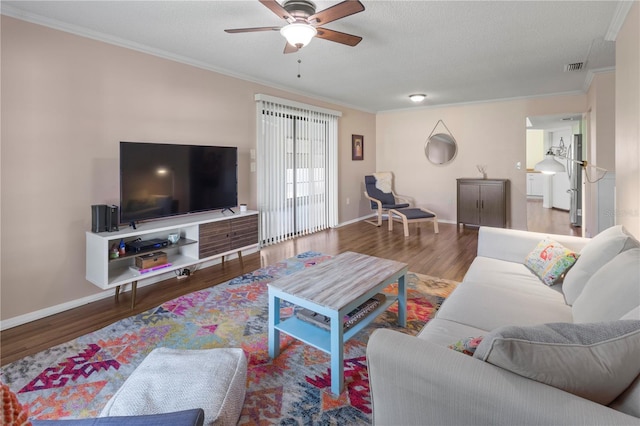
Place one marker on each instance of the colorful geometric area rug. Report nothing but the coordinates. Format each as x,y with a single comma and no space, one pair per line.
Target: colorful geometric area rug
76,379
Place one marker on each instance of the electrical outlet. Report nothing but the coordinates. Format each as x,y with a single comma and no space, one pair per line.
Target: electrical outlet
252,154
253,166
348,200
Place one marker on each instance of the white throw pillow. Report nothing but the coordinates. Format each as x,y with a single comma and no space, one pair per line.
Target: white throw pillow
612,291
594,361
600,250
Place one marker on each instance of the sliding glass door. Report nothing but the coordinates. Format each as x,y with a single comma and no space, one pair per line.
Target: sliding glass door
297,171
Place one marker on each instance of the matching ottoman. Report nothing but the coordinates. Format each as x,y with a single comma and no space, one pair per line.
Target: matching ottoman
412,215
173,380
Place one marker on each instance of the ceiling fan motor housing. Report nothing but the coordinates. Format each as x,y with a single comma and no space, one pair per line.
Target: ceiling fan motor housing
300,9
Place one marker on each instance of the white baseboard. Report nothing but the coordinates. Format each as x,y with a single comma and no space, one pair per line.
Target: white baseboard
52,310
358,219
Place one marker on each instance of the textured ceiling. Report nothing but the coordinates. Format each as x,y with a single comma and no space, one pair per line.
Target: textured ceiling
454,51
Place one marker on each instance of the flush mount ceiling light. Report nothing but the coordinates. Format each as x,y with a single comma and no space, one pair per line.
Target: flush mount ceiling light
298,34
417,97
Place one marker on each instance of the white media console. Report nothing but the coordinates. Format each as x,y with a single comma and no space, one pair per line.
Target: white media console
203,237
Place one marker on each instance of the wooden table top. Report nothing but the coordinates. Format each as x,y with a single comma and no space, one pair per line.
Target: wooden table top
340,280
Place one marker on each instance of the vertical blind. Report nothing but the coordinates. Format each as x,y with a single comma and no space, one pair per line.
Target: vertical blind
297,168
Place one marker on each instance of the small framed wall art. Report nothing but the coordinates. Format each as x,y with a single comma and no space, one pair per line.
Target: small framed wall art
357,147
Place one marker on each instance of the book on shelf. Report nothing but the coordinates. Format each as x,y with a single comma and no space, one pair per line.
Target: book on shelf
151,269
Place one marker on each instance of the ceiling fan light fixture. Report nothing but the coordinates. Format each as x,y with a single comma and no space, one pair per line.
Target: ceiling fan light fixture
298,34
417,97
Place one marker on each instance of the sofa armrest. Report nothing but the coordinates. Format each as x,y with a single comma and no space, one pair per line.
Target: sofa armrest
415,382
194,417
514,245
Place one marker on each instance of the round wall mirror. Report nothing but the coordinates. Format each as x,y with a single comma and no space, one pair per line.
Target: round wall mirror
441,148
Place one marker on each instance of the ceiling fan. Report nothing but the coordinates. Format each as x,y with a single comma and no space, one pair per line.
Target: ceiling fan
303,22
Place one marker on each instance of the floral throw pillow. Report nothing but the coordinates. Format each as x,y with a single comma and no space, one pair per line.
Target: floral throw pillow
550,260
467,346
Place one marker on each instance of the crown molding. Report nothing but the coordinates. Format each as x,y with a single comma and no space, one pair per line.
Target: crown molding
619,16
117,41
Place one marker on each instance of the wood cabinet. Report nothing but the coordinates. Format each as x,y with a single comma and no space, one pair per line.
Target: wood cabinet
220,237
483,202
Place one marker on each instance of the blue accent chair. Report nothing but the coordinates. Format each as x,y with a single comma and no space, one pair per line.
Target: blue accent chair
381,202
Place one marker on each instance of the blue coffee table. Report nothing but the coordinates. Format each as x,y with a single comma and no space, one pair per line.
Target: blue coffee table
334,288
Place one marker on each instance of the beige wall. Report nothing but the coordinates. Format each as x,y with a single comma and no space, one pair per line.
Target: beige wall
66,103
492,134
628,122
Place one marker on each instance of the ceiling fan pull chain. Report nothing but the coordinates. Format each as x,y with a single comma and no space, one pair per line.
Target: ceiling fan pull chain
299,62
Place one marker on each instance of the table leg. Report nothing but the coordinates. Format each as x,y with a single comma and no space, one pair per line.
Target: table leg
402,302
337,354
134,288
117,292
242,263
274,318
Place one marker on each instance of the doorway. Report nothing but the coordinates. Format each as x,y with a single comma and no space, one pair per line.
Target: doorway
554,201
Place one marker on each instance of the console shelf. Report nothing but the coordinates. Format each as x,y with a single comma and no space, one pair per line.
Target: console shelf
180,243
233,233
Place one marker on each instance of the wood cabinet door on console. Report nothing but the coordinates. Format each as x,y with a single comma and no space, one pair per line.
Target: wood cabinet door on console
244,231
215,237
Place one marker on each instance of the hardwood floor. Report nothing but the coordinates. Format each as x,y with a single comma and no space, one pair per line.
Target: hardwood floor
445,255
553,221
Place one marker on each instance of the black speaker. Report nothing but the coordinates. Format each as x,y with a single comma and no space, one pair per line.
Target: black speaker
113,217
104,218
99,218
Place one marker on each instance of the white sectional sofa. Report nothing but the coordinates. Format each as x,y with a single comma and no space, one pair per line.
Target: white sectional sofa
422,381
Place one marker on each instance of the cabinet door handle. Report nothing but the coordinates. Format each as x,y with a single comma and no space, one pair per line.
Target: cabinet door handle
477,204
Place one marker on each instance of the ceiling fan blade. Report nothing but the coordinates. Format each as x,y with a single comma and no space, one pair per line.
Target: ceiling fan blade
290,49
276,8
251,30
338,37
338,11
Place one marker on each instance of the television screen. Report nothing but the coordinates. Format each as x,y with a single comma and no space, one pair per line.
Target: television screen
160,180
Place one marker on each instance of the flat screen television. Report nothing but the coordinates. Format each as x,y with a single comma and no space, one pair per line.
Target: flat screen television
160,180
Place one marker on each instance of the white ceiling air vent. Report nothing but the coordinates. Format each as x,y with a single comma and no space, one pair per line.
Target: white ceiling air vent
576,66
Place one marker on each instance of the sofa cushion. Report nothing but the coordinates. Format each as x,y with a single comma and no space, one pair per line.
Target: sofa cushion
600,250
612,291
496,293
444,332
596,361
549,260
629,401
632,314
